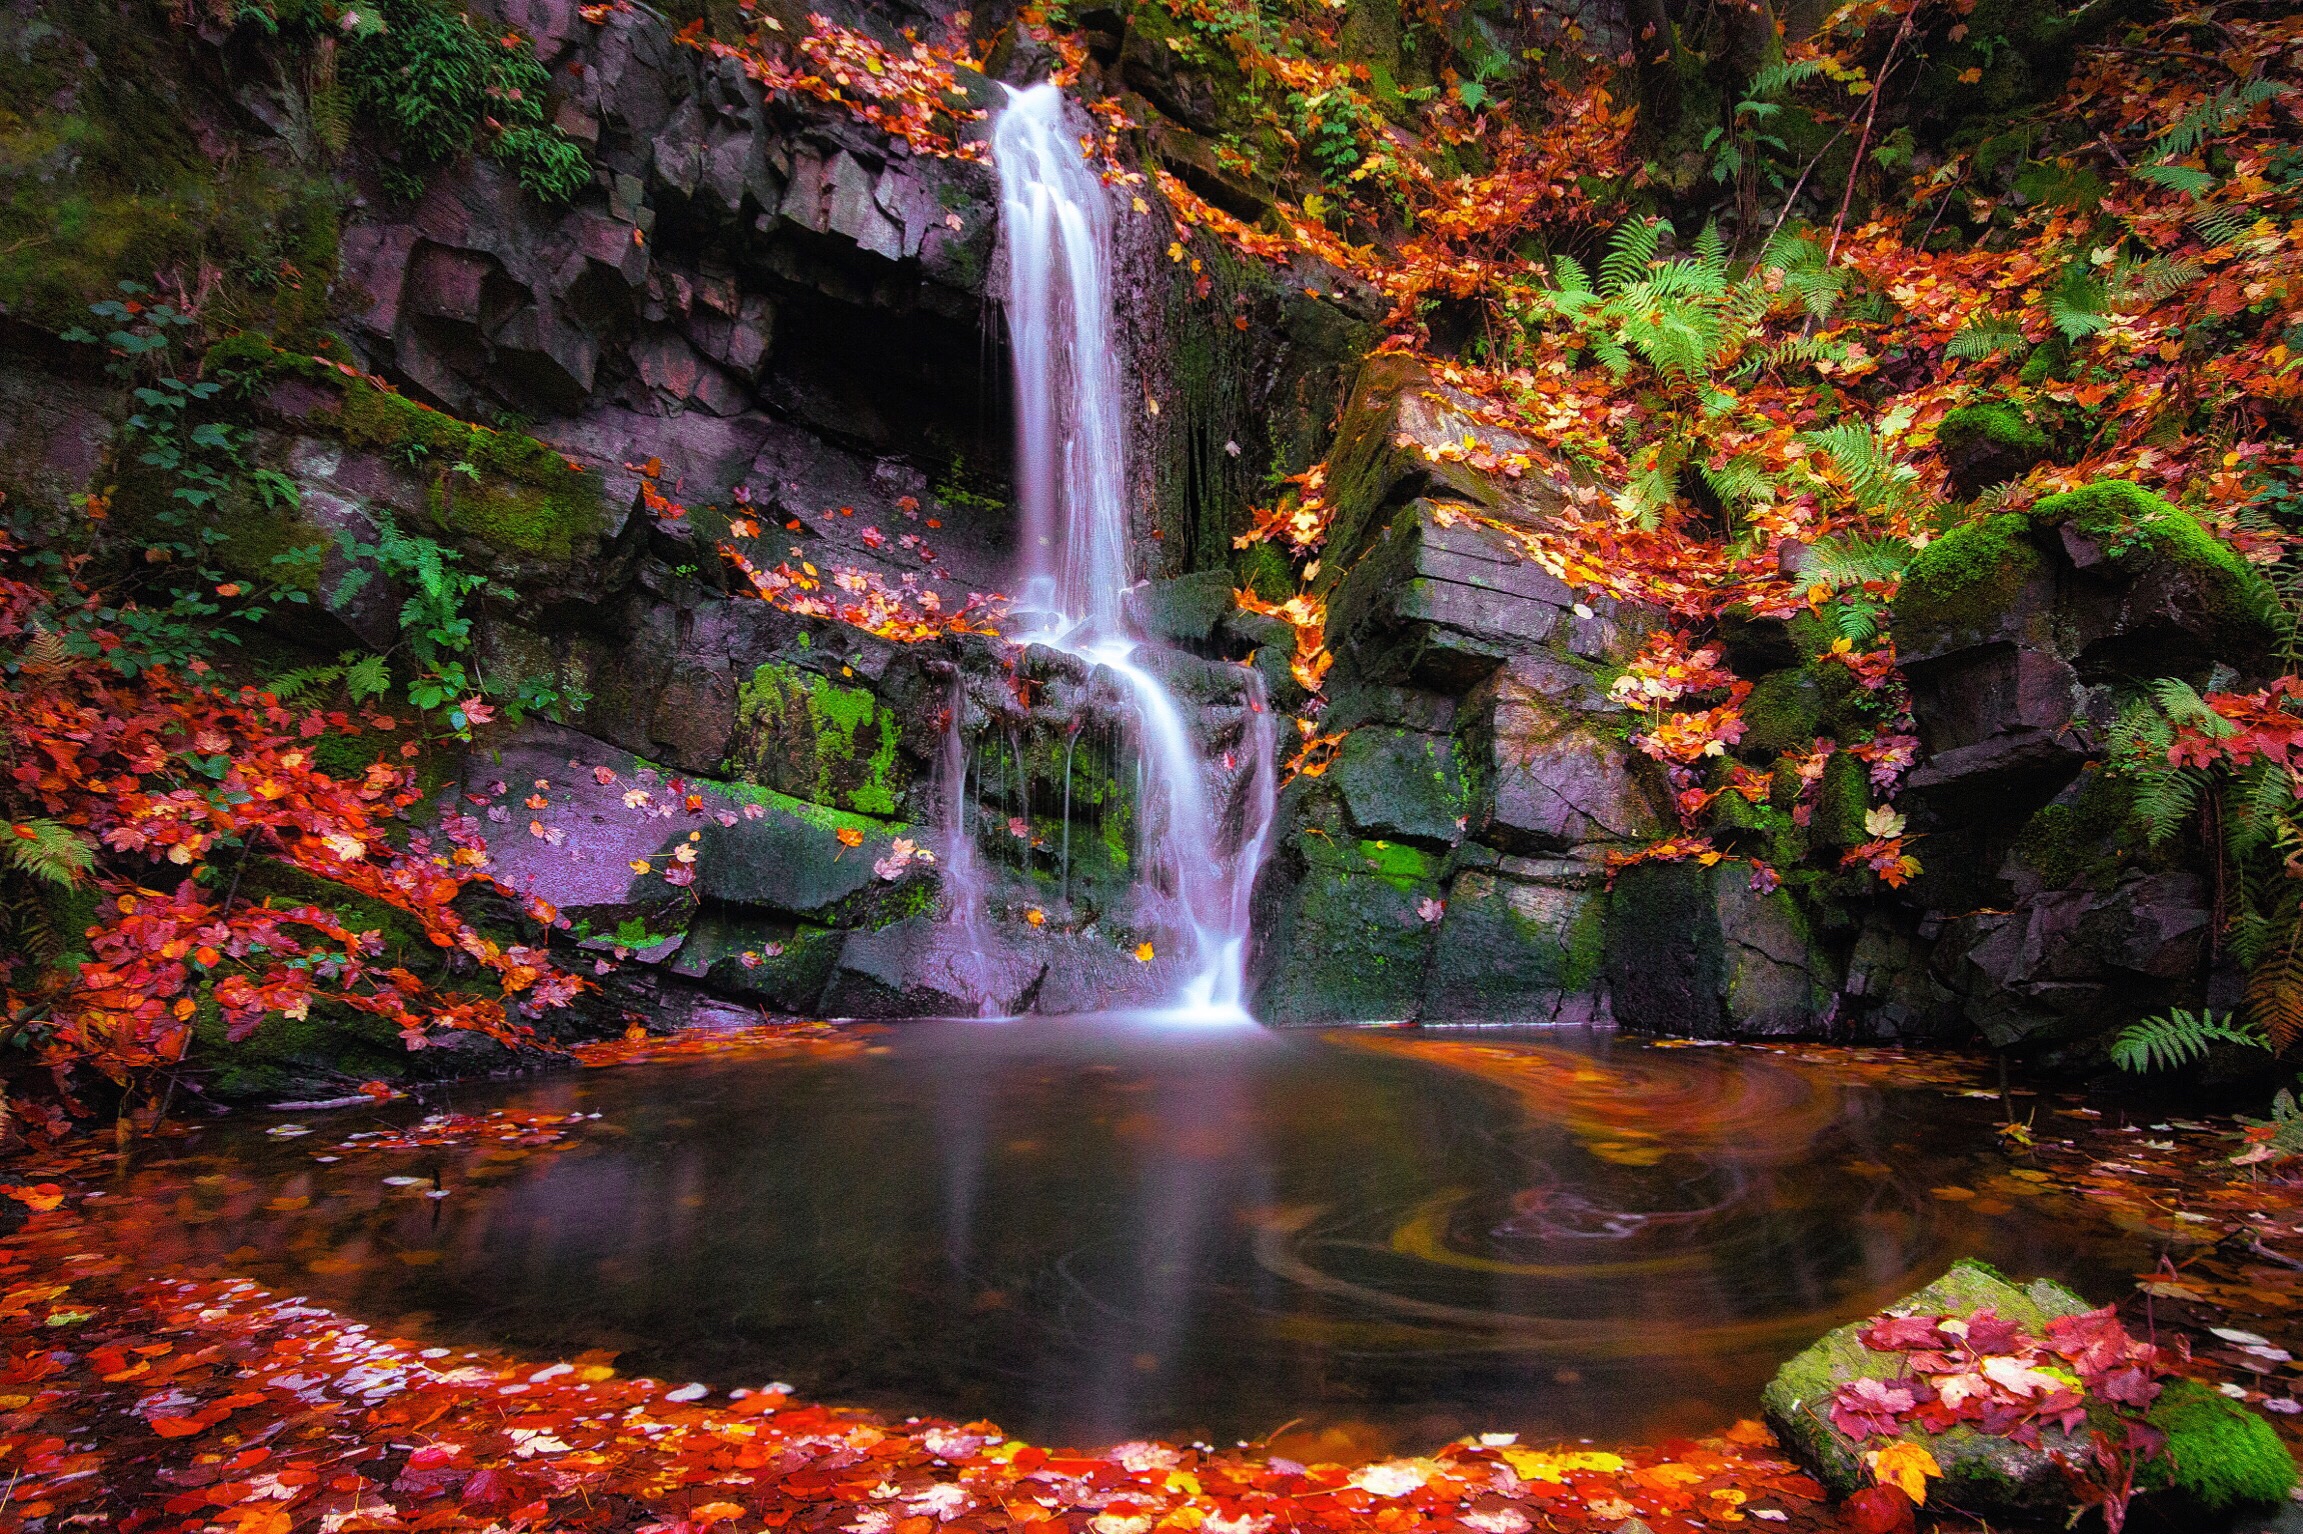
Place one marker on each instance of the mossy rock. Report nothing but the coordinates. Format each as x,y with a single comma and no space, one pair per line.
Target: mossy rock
1510,950
504,488
1401,783
1783,713
1983,1476
1351,943
1264,570
2134,530
808,736
1988,444
789,962
2086,837
2221,1458
1842,799
796,858
1968,586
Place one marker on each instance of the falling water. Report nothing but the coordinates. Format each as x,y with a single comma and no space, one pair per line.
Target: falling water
963,877
1070,457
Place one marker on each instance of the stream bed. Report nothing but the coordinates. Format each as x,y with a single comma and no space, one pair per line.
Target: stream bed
1090,1230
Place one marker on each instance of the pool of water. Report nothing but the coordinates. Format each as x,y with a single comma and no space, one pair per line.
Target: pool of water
1094,1230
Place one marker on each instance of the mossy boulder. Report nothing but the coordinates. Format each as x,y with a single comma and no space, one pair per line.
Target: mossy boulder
1401,784
782,965
504,488
1982,581
794,857
1842,799
1696,952
2176,563
2110,577
806,735
1524,941
1987,444
2221,1459
1352,935
1783,713
1983,1476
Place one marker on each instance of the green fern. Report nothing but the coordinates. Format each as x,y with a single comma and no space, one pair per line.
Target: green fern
2177,178
2177,1038
292,687
1628,255
1852,560
2222,226
48,851
2212,116
2080,304
1877,480
1985,335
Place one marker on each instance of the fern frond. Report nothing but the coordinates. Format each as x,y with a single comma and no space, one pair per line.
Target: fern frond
1740,481
2213,116
2275,992
2221,226
1983,335
1774,79
1852,560
2177,178
292,686
1568,273
1628,254
2080,304
2177,1038
1876,479
48,851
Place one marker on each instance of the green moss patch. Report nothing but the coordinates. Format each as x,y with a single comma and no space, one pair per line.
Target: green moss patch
809,736
1964,583
2220,1455
502,487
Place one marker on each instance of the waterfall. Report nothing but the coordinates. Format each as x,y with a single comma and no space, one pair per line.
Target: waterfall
963,877
1071,444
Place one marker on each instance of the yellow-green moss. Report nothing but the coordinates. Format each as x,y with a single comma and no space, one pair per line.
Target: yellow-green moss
2134,526
1994,428
811,736
1966,579
527,499
2220,1455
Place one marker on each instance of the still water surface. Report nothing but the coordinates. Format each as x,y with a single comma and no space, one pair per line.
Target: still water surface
1096,1230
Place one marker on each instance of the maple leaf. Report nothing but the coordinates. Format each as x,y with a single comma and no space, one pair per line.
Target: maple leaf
1864,1408
1883,821
849,836
1896,1334
1905,1466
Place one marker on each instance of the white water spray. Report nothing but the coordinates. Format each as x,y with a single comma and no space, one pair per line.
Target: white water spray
1071,446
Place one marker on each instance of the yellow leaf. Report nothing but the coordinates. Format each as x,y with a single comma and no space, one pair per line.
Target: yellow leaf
1905,1466
639,865
1143,953
1970,76
850,837
1036,916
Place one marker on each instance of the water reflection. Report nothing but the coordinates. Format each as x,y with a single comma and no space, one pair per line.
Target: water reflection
1093,1230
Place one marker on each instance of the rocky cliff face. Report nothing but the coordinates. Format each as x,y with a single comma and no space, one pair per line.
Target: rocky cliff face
766,311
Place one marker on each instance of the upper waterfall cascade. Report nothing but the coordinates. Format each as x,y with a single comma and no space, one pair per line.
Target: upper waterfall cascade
1205,826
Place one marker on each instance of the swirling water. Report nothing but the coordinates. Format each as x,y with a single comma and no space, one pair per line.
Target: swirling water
1095,1229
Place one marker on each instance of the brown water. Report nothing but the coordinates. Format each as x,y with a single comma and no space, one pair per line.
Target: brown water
1096,1230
